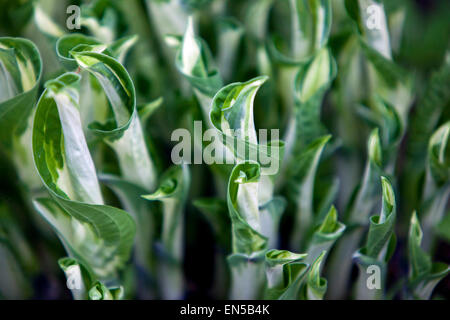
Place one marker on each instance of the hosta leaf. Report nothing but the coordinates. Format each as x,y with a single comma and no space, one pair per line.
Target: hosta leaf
311,83
78,277
311,25
11,77
371,20
59,104
88,161
232,116
439,155
321,22
371,282
123,133
424,288
247,275
195,62
420,262
100,292
316,76
382,226
423,274
366,196
301,187
168,16
386,77
243,209
80,43
426,116
230,34
69,42
147,109
374,148
388,119
424,120
371,271
391,72
120,47
256,18
270,216
285,273
172,192
329,196
436,188
277,51
248,242
368,192
84,224
20,73
379,247
281,257
103,244
325,236
275,260
316,286
101,21
233,108
45,24
129,195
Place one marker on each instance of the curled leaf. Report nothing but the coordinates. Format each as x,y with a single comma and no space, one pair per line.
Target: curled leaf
99,236
20,73
195,62
124,132
78,277
423,274
244,216
380,244
325,236
311,83
285,273
232,116
316,286
382,226
439,155
310,29
100,292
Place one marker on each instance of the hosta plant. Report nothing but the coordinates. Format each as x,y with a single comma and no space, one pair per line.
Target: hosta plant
256,149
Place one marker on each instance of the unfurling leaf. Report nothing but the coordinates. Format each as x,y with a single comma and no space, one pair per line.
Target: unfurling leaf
97,235
423,274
